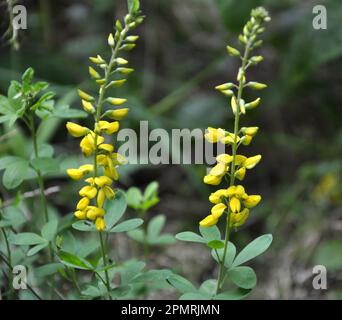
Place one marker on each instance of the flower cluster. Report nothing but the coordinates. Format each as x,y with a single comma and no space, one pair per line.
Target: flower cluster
101,174
234,200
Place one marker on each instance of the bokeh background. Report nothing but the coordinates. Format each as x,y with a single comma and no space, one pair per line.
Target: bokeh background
179,59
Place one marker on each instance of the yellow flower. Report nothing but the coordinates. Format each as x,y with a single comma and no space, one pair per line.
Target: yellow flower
86,168
251,162
237,191
214,135
240,174
85,96
109,192
208,221
108,127
118,159
246,140
235,204
212,180
224,158
239,159
76,130
217,196
110,171
106,147
103,181
75,174
116,101
101,198
229,138
88,191
238,219
219,170
87,106
100,224
218,210
88,143
80,215
82,204
118,114
250,131
251,201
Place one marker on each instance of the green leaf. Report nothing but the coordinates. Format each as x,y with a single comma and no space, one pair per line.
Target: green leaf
210,233
13,216
83,225
194,296
134,197
153,276
215,244
26,238
130,269
115,209
133,6
27,76
253,249
236,294
326,255
65,112
208,287
73,261
151,190
48,269
155,226
190,236
137,235
163,239
45,164
49,230
181,284
15,174
230,255
37,248
127,225
243,277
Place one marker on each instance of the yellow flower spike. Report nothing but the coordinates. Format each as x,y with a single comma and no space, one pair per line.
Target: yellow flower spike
250,131
117,114
108,127
208,221
212,180
101,196
83,204
100,224
246,140
214,135
76,130
251,201
88,191
75,174
224,158
251,162
106,147
109,192
80,214
103,181
87,106
85,96
116,101
219,170
218,210
235,204
118,159
240,174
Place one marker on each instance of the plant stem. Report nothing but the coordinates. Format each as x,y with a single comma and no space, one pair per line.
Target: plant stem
40,179
104,257
232,170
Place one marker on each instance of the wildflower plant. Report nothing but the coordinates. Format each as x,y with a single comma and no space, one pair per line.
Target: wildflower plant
233,202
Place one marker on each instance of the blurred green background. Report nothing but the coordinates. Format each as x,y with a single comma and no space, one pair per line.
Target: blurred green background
179,59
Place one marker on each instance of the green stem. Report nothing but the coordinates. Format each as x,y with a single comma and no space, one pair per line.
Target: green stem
40,180
104,257
232,170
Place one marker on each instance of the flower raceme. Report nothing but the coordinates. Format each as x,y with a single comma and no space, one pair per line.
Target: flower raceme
234,201
102,172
